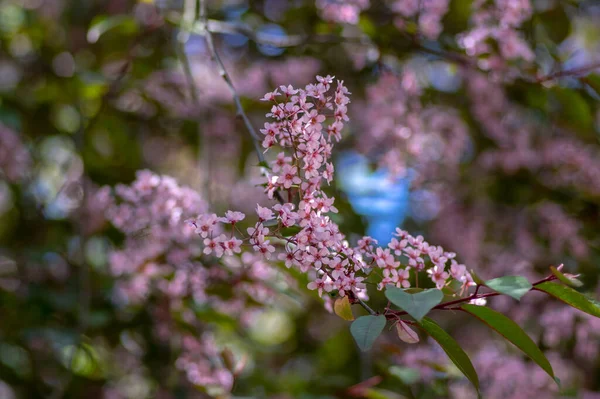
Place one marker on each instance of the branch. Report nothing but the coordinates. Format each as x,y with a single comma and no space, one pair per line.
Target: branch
569,72
215,26
204,158
228,27
445,306
236,98
365,306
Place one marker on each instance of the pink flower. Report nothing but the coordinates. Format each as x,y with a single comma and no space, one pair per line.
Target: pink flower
458,271
263,246
414,257
397,246
402,277
354,283
264,214
327,80
232,245
315,256
289,258
320,284
280,162
438,276
288,91
289,176
270,96
205,224
213,246
233,217
383,257
285,214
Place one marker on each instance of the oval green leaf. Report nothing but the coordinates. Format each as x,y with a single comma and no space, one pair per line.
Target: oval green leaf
570,297
366,329
514,286
452,349
417,305
512,332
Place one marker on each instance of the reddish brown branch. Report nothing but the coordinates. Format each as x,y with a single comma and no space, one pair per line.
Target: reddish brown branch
476,295
569,72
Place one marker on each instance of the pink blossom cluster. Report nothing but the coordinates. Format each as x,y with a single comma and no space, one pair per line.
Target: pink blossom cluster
402,133
161,258
169,88
506,240
503,374
342,11
317,246
429,13
564,324
150,213
562,231
15,160
200,360
497,23
558,160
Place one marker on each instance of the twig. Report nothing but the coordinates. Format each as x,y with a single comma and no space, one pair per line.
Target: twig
446,305
84,282
189,14
568,72
236,98
365,306
228,27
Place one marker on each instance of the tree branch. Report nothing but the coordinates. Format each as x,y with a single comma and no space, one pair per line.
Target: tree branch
236,98
569,72
228,27
445,306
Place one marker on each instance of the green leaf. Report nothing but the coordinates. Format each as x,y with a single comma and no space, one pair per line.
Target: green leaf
366,329
592,80
514,286
556,22
376,393
407,375
570,297
264,164
574,107
476,278
101,25
452,349
568,280
290,231
414,290
417,305
512,332
343,308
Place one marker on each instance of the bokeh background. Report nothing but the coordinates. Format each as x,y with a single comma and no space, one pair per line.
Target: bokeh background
475,123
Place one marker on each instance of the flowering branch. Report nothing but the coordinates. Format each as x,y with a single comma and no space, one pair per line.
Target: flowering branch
316,246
